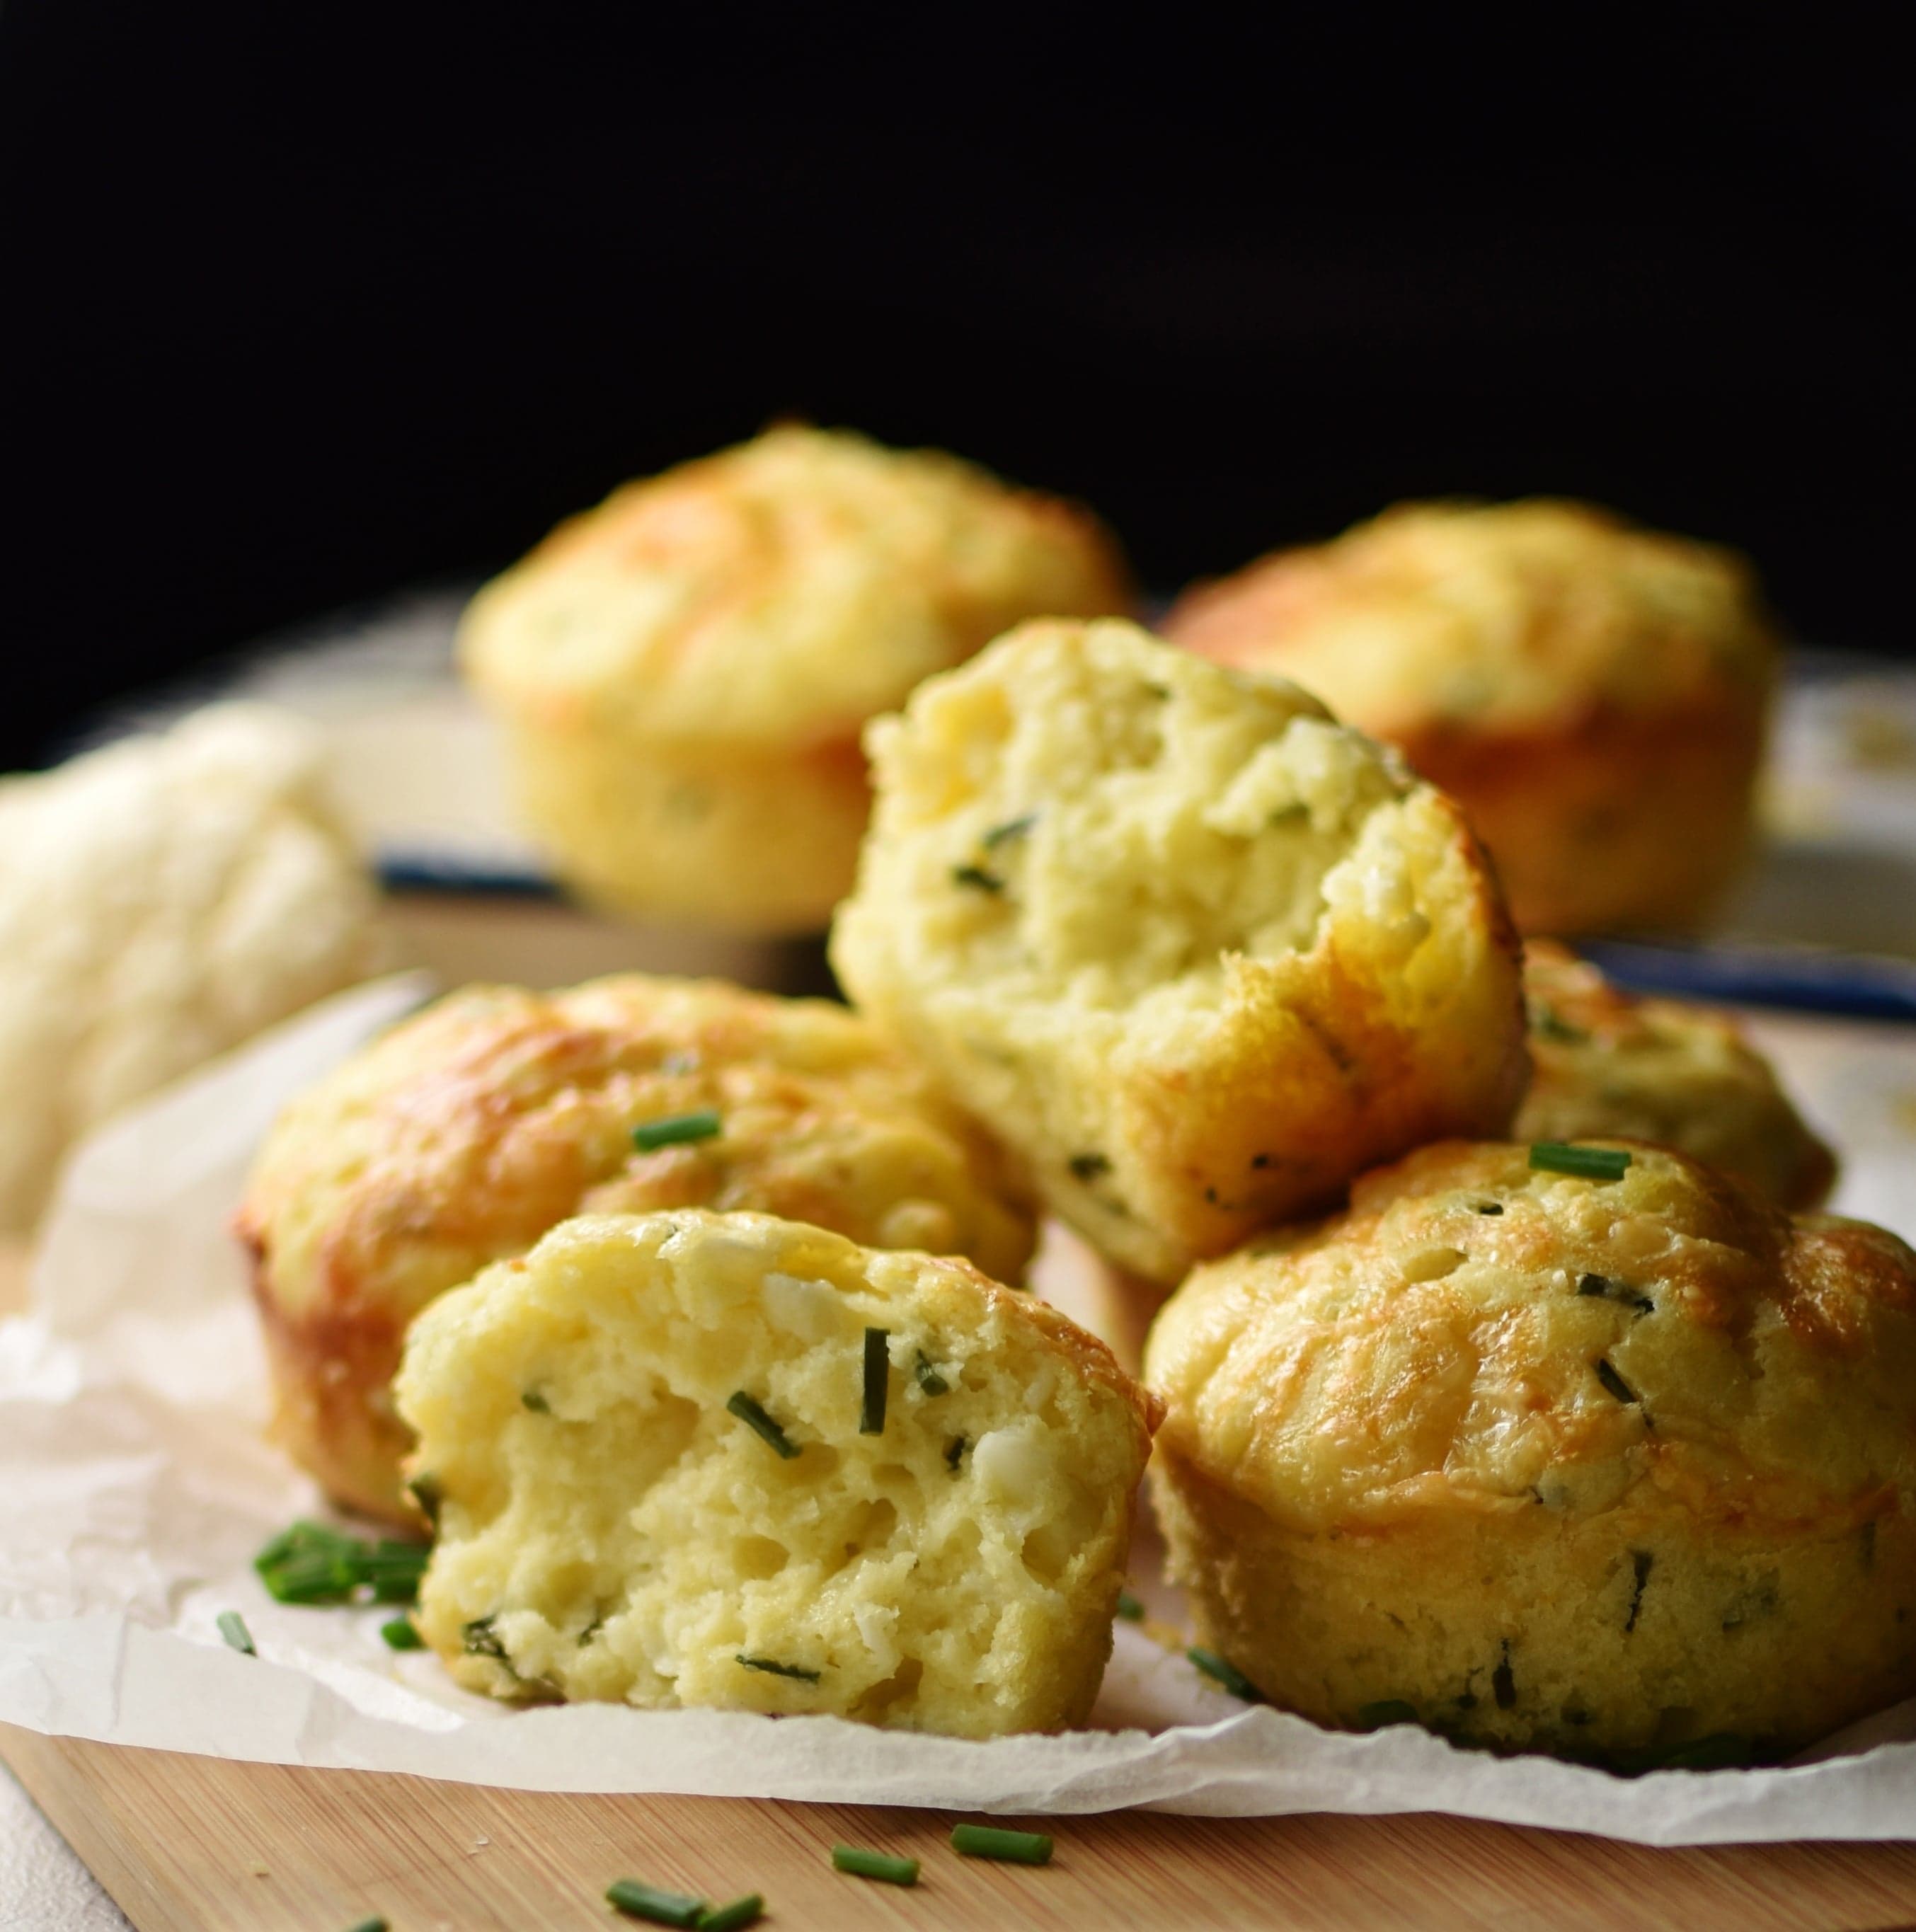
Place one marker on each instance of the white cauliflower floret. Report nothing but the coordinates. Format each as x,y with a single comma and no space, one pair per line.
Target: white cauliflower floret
162,900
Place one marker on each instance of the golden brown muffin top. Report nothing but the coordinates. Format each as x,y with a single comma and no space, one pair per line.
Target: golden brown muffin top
782,591
1475,1333
1609,1062
1503,616
465,1133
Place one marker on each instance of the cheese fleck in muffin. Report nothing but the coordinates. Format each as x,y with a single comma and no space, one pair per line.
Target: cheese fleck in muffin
1622,1469
1595,695
1606,1062
683,672
723,1459
462,1135
1197,950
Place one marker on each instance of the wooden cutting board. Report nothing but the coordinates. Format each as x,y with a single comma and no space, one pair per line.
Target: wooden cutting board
198,1845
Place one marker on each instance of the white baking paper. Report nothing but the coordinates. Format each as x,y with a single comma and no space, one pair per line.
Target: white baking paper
137,1486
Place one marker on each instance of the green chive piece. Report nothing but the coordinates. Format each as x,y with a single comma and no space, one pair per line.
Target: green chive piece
536,1402
929,1380
1226,1673
988,1841
401,1633
1614,1382
369,1925
977,878
1386,1710
232,1627
676,1130
1552,1024
481,1639
776,1669
1088,1167
878,1381
1489,1207
746,1911
1721,1750
1129,1608
761,1424
1587,1163
426,1493
1013,828
874,1864
647,1901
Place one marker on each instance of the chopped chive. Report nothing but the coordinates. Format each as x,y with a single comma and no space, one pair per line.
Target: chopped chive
1641,1563
1088,1166
676,1130
929,1380
1489,1207
481,1639
1721,1750
1614,1382
1611,1289
1384,1711
401,1633
741,1912
319,1577
1588,1163
874,1864
1226,1673
878,1381
426,1493
977,878
647,1901
988,1841
1012,828
532,1399
1547,1020
954,1452
369,1925
761,1424
1129,1608
774,1669
232,1627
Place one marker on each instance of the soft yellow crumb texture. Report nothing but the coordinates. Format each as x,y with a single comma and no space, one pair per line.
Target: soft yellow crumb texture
610,1529
1197,950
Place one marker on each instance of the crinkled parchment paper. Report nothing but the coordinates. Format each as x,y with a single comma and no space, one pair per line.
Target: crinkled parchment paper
137,1486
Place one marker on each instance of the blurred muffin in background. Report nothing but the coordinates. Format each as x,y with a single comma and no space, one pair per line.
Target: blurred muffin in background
1595,695
683,673
461,1136
1608,1063
160,901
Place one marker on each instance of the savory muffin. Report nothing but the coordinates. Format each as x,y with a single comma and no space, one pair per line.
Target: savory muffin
162,900
462,1135
1197,950
723,1459
1595,695
1607,1062
1615,1463
683,672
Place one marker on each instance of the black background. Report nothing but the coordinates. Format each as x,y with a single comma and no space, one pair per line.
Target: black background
303,305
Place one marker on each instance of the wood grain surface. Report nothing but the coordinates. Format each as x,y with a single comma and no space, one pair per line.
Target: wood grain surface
196,1845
